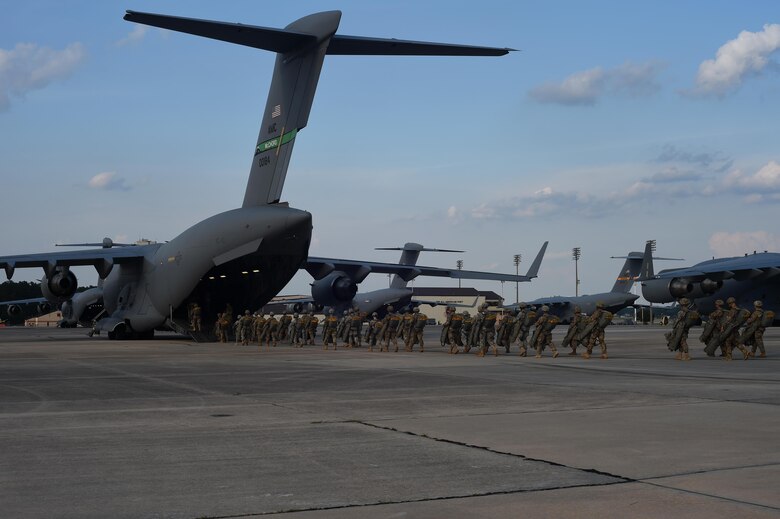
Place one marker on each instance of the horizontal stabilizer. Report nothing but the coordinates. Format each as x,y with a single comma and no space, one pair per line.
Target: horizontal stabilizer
358,45
266,38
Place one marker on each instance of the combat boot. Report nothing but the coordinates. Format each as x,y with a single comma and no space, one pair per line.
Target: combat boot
523,352
422,350
573,352
555,354
586,355
480,353
686,356
678,356
538,355
745,353
763,355
396,349
604,356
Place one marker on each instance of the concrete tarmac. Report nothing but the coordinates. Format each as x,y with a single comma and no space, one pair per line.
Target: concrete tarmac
171,428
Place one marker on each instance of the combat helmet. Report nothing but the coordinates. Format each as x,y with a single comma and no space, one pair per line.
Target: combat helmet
731,300
600,304
719,302
685,301
545,308
758,303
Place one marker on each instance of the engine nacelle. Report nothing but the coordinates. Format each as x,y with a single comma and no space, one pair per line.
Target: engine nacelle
710,286
14,310
45,308
61,286
334,289
666,290
300,308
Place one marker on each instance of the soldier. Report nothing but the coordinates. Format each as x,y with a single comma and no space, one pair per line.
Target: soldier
227,320
374,331
467,330
245,327
295,327
303,325
543,332
329,325
453,332
341,329
392,324
355,329
195,317
755,326
270,330
406,327
476,331
504,331
311,329
445,329
575,326
487,335
284,326
259,326
729,335
524,327
416,333
218,328
677,339
594,330
712,329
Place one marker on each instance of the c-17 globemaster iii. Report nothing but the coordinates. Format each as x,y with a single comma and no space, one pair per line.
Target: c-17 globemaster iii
244,256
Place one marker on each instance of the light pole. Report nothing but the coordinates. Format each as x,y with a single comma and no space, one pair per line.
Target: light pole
518,259
575,255
652,250
459,264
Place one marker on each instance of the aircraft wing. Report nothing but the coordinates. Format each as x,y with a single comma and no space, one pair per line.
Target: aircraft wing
358,270
31,301
102,259
765,264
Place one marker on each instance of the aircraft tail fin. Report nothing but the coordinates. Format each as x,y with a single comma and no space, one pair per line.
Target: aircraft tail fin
409,256
629,272
533,271
301,48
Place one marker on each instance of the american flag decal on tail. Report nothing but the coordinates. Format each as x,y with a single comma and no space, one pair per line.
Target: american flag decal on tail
276,112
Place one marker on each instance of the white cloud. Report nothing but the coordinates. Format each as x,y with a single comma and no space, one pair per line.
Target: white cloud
765,179
108,181
28,67
586,87
739,243
747,54
136,35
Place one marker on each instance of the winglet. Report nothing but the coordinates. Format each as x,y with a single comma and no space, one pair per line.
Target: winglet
534,270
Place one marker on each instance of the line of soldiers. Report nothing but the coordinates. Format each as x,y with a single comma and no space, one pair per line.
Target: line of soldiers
726,328
482,333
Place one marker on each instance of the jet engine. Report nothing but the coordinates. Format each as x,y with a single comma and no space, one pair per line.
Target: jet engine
334,289
299,308
45,307
61,286
666,290
14,310
710,286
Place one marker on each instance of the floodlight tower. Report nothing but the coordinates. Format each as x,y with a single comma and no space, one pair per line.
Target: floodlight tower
575,255
459,264
518,259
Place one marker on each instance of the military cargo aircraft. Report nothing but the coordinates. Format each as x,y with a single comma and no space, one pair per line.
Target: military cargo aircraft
337,289
615,300
244,256
746,278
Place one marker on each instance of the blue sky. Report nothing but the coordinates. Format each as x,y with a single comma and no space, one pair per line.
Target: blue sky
615,123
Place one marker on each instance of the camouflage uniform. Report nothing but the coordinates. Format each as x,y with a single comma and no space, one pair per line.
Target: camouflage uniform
311,329
453,332
270,330
679,334
467,331
754,330
445,329
245,327
343,327
523,326
355,329
416,330
259,326
504,332
487,333
599,320
195,317
406,326
571,340
329,326
295,329
374,331
392,324
730,330
543,333
713,328
284,326
476,332
218,329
